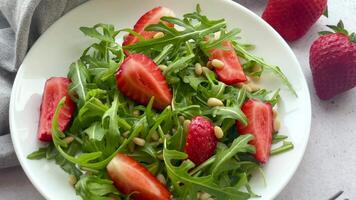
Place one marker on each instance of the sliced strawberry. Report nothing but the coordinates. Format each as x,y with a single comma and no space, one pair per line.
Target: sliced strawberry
260,125
151,17
232,71
130,177
201,140
55,89
139,78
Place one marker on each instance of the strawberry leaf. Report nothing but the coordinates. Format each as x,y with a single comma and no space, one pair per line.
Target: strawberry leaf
326,12
353,37
325,32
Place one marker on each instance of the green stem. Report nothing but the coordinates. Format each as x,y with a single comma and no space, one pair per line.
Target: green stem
284,148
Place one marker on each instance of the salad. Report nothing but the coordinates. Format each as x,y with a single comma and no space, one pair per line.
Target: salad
174,112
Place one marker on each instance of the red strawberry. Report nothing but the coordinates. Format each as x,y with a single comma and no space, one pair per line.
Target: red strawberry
293,18
260,125
201,141
151,17
55,89
130,177
333,62
232,71
139,78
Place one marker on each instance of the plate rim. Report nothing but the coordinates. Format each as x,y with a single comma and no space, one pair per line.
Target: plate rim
233,4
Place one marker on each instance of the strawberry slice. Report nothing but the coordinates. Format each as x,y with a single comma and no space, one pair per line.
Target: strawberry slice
139,78
55,89
151,17
130,177
201,140
232,71
260,125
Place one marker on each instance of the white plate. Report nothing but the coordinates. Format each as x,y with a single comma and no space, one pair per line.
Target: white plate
63,43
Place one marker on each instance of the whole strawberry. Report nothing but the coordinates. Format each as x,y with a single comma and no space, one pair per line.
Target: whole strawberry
201,141
293,18
333,62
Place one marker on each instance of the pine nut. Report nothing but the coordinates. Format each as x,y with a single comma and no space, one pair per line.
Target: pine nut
218,132
198,69
72,180
276,124
162,67
158,35
126,134
218,64
256,79
204,196
209,65
248,88
198,195
139,141
68,139
256,68
254,87
217,35
155,136
136,113
161,179
186,124
275,113
213,102
181,119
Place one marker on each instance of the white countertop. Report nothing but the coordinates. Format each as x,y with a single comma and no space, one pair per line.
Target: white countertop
329,164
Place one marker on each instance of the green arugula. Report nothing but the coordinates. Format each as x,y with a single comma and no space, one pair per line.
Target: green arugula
106,122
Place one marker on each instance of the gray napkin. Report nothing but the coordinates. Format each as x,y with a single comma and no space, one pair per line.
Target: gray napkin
21,23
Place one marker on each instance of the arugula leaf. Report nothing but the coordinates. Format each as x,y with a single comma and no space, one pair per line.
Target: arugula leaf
95,131
95,188
286,146
39,154
222,113
178,140
92,110
79,76
104,123
240,144
178,37
275,69
107,33
109,121
275,98
186,184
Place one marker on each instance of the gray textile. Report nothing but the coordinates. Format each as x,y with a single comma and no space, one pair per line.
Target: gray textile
21,23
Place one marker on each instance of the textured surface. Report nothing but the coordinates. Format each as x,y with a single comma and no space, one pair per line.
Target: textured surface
329,162
201,140
333,64
293,18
